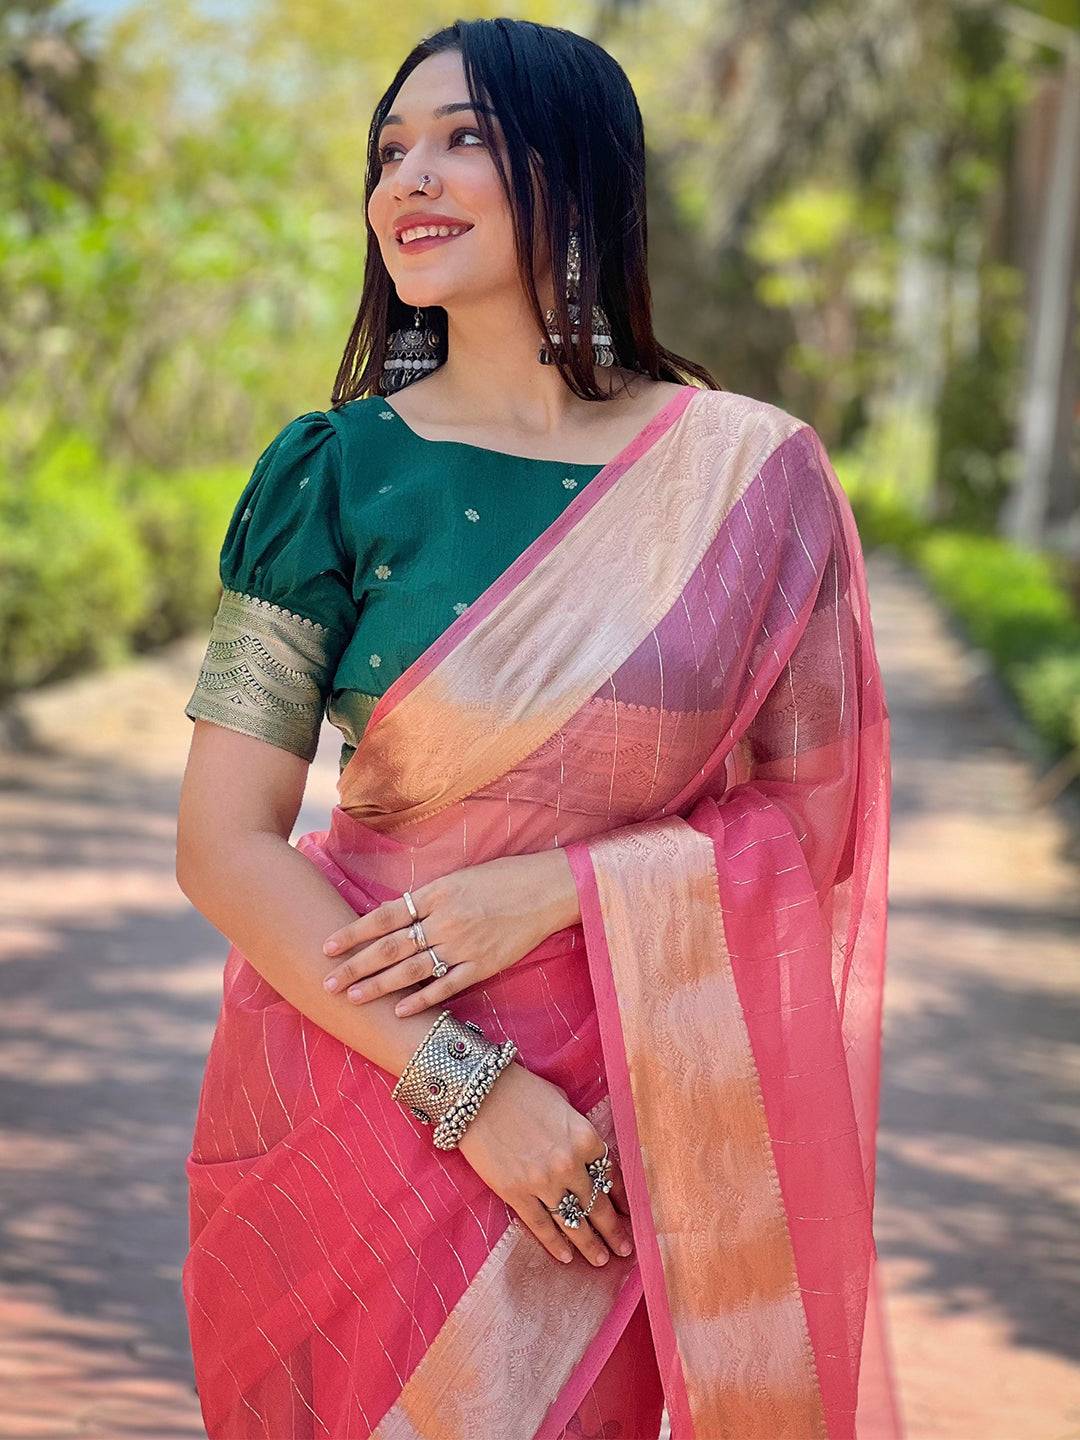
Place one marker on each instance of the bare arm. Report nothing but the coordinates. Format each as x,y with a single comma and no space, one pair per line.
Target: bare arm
238,803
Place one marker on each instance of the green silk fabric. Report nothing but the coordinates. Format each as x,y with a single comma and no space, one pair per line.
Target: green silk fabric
351,548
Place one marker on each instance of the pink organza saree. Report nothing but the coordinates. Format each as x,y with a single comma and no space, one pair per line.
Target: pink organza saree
677,682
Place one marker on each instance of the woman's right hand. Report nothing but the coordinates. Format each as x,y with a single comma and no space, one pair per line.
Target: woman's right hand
530,1145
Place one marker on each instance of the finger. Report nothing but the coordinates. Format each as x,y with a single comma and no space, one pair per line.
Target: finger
583,1236
546,1231
396,977
345,937
377,955
459,978
390,915
613,1227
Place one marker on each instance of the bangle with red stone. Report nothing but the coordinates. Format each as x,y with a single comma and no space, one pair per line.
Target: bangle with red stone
440,1068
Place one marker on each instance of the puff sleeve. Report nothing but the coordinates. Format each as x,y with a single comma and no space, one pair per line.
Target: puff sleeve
287,610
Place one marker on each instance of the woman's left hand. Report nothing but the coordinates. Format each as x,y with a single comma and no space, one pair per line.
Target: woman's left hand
480,920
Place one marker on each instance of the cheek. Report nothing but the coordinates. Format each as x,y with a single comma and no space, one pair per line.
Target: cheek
495,226
376,210
379,215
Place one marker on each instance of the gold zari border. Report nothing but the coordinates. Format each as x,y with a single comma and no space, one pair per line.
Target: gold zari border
729,1267
265,673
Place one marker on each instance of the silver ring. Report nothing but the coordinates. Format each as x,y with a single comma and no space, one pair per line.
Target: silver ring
600,1173
438,969
407,897
568,1210
416,930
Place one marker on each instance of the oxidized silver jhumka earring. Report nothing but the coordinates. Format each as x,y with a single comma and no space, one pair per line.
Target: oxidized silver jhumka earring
411,351
600,326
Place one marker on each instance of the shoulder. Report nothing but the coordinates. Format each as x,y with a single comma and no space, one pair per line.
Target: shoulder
744,416
781,452
369,441
296,477
337,428
312,428
367,416
757,434
306,443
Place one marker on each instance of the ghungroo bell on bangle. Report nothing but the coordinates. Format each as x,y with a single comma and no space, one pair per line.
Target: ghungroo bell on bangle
456,1120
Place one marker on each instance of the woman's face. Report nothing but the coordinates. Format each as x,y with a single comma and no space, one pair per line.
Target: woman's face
464,187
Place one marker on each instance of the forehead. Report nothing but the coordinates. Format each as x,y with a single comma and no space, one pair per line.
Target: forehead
437,80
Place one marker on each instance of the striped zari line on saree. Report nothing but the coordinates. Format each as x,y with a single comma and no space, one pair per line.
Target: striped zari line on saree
512,1341
728,1264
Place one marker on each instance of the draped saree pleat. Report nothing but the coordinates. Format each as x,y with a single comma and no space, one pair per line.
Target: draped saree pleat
677,683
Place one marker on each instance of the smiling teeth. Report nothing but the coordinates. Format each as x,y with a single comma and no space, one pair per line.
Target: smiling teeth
419,230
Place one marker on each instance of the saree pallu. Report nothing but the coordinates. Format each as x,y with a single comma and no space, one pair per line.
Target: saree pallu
677,682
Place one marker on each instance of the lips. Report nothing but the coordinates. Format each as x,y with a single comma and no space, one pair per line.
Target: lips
425,242
427,217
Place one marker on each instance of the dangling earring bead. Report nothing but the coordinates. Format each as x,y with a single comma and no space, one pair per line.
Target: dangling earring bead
600,326
410,353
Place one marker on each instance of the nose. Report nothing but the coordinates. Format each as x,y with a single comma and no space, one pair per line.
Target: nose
409,181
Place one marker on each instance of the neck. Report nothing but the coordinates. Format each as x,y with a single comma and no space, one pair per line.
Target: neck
493,377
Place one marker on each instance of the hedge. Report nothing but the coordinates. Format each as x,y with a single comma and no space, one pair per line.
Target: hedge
97,566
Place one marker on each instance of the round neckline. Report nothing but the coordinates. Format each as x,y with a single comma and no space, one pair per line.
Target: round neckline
595,465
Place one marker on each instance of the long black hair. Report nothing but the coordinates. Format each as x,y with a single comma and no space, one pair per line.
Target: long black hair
567,109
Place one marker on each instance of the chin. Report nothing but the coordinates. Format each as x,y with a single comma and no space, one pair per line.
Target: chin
423,300
417,290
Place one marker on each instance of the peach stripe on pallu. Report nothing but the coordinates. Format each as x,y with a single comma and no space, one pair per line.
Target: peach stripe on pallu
744,1364
513,1340
569,611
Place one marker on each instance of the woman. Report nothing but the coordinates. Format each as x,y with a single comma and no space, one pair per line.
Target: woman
614,785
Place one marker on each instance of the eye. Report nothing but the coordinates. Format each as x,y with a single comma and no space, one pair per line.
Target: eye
385,158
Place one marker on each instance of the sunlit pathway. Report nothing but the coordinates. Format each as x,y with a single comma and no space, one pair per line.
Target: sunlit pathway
111,983
978,1200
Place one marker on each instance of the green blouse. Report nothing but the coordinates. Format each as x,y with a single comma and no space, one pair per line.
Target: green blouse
352,547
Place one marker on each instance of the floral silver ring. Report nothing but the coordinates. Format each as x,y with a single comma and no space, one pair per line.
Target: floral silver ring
600,1172
569,1210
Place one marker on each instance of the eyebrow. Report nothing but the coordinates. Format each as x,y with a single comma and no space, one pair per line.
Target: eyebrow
439,112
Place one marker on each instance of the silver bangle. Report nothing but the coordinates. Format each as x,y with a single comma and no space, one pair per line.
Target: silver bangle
455,1122
440,1068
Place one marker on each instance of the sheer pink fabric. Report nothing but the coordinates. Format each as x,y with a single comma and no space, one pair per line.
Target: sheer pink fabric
677,682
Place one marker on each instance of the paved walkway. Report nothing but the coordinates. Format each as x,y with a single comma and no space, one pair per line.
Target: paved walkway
110,984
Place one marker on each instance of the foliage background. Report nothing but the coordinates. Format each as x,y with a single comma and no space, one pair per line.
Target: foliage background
834,226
